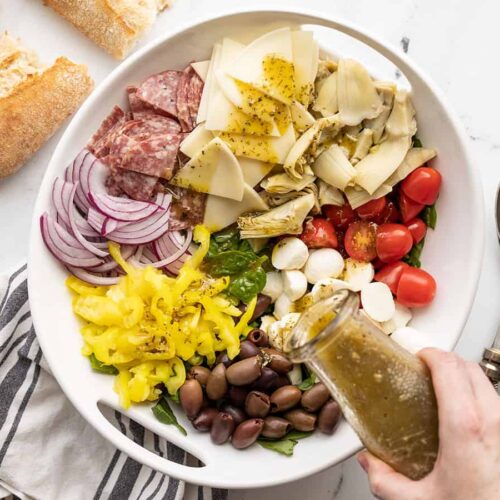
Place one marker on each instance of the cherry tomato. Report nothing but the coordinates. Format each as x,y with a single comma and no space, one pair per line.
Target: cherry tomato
319,233
341,247
340,217
422,185
360,239
418,229
409,208
391,274
389,214
393,242
416,288
372,209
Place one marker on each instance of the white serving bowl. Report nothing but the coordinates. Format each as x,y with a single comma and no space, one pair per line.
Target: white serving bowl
452,254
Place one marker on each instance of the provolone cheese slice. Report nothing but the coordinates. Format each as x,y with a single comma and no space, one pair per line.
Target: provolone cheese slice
305,62
221,212
196,140
213,170
208,87
254,170
201,67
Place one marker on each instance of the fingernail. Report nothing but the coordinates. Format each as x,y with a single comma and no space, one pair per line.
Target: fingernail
363,461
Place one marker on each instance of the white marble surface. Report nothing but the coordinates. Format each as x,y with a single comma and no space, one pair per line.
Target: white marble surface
454,40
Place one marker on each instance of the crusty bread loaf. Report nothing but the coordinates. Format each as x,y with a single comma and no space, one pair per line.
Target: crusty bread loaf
35,108
115,25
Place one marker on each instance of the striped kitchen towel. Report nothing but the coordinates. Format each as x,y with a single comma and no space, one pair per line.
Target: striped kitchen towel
47,451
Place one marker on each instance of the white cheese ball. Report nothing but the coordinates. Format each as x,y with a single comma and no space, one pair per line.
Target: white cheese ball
412,340
358,274
283,306
289,253
274,285
294,284
377,301
401,318
323,263
326,287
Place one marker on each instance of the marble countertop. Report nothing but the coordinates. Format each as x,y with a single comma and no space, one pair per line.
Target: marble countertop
453,42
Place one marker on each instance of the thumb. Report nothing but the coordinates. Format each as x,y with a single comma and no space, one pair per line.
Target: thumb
385,482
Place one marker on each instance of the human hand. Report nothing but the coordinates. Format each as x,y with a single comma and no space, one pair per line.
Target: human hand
468,461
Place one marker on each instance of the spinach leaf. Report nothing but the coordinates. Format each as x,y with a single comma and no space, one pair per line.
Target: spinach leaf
165,415
100,367
429,216
248,284
296,435
229,263
307,383
417,143
285,445
175,398
227,239
413,257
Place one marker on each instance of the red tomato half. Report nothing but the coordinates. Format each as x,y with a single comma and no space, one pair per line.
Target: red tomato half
340,217
372,209
422,185
418,229
360,239
409,208
391,274
416,288
319,233
394,241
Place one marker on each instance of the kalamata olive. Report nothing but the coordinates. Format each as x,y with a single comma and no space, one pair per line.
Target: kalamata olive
315,397
301,420
199,373
244,372
237,396
258,337
282,381
203,422
191,397
276,427
247,350
222,357
257,404
247,433
263,302
237,413
268,380
277,361
329,417
284,398
217,383
222,428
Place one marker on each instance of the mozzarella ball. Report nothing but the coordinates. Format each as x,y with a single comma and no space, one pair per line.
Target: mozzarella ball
283,306
294,284
274,285
412,340
326,287
323,263
377,301
289,253
358,274
402,316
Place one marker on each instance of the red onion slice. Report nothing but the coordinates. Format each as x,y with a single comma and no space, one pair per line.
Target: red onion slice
104,225
83,161
93,279
180,251
65,247
110,264
124,209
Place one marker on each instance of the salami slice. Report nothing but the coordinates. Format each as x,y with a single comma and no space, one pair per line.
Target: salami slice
183,113
137,186
160,91
98,144
187,209
138,107
194,96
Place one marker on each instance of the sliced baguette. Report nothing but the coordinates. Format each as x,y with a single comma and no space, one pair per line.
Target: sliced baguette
36,108
115,25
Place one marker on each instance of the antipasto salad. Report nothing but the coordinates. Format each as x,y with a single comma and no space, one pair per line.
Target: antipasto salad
226,198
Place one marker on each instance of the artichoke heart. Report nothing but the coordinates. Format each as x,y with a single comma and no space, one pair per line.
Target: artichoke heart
285,219
333,167
283,183
401,121
415,158
358,98
326,102
363,145
328,195
277,199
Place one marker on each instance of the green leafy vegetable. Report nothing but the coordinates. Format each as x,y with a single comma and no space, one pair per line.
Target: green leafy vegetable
417,143
429,216
285,445
165,415
175,397
100,367
228,255
307,383
413,257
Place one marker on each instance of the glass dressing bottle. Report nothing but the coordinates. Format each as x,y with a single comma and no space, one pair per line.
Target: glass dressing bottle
385,392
